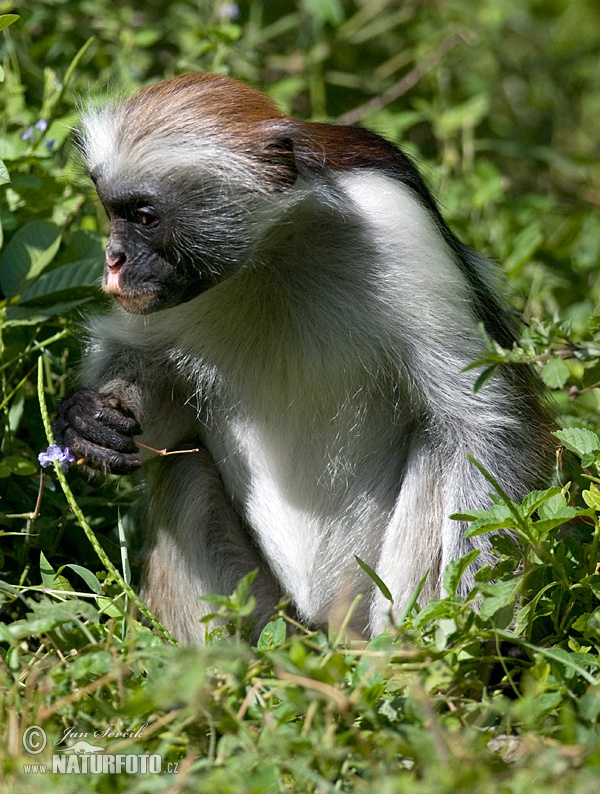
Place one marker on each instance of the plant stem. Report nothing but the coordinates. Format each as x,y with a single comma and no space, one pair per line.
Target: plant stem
89,533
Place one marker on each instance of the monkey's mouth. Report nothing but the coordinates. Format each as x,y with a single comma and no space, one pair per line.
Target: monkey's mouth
139,299
139,303
140,291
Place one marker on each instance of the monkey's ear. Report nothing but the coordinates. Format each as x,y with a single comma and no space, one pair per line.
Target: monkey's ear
279,158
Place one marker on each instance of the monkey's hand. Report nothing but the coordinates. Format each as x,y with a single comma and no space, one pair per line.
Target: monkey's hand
98,430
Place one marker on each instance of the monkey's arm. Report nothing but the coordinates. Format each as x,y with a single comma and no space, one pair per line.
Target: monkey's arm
130,390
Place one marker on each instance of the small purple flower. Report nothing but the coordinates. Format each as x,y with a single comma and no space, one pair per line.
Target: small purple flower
41,126
229,11
54,452
50,144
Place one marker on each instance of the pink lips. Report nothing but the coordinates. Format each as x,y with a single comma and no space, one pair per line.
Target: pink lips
114,263
111,277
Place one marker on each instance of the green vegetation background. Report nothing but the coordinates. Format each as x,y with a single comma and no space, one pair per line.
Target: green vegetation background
499,103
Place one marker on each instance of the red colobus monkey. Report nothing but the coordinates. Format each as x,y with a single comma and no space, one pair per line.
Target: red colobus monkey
290,302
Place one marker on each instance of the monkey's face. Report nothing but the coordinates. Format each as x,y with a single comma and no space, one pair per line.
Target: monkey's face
164,249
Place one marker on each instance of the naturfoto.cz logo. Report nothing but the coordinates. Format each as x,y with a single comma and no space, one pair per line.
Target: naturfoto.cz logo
83,757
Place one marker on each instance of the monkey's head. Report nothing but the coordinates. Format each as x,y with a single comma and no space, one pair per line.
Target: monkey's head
186,170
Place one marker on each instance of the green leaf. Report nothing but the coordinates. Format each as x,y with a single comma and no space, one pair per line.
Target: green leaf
591,375
468,114
556,507
146,37
580,440
29,315
535,498
88,577
444,631
592,497
325,11
541,528
572,662
4,175
7,19
589,705
499,516
47,572
110,607
412,599
593,582
245,609
83,244
65,283
241,595
30,250
437,609
499,602
47,615
555,373
484,377
13,464
455,570
381,585
273,635
525,244
535,609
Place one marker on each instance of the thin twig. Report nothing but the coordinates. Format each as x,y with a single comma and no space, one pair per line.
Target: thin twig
32,516
165,452
341,701
402,86
250,694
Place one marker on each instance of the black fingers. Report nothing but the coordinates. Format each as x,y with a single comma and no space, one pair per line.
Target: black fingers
99,457
98,430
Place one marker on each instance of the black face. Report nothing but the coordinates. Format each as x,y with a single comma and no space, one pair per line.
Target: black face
150,262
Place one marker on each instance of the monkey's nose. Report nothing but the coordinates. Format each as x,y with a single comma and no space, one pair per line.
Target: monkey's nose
115,257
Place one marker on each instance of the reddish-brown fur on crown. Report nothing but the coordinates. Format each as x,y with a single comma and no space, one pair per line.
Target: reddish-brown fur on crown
251,123
204,96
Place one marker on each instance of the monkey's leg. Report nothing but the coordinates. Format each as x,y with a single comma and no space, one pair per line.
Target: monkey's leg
196,545
421,536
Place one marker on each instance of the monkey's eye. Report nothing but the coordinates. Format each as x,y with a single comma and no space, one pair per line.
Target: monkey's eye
146,216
